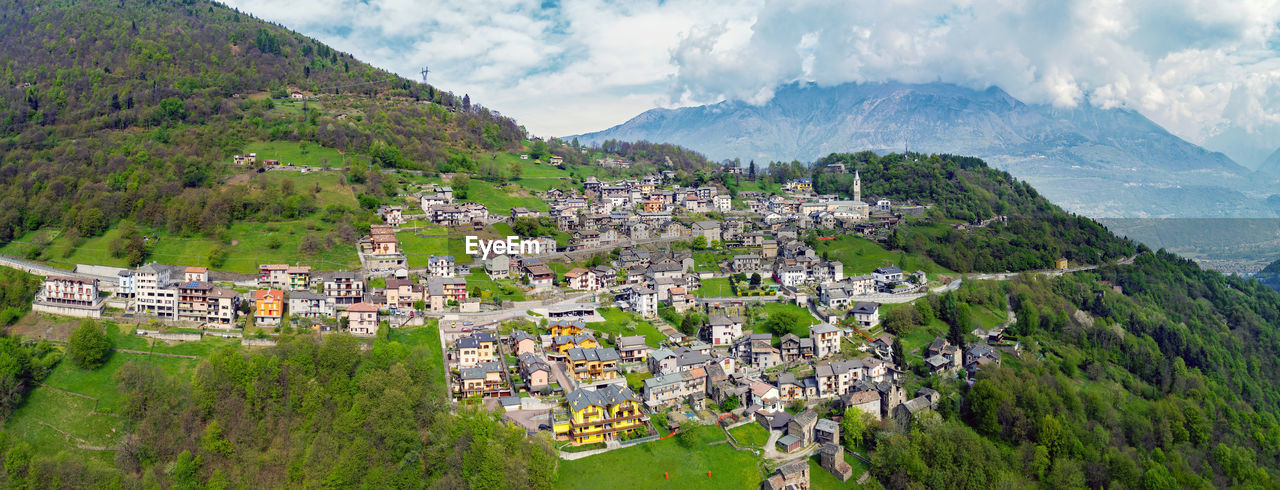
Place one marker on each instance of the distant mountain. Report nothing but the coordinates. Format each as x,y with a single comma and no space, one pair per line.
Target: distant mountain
1271,166
1099,162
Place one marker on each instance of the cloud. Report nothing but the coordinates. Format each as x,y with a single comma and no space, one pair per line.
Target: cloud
1197,67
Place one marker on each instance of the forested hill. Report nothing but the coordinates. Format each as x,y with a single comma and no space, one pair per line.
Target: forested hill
960,231
124,105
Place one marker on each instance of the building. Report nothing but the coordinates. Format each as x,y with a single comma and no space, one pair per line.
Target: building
593,364
867,401
826,339
523,342
126,285
539,275
273,276
196,274
866,314
632,349
344,288
306,304
581,279
193,300
724,330
707,229
69,296
790,476
441,265
535,371
299,277
362,319
601,414
477,348
673,388
887,275
801,426
268,307
157,294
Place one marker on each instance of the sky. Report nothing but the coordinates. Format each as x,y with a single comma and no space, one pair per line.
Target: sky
1208,71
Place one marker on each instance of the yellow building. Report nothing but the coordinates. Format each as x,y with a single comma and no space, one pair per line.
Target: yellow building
1060,264
593,364
563,343
269,305
600,415
559,329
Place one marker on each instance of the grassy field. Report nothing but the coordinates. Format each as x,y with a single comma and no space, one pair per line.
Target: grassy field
617,321
635,381
821,479
252,243
297,153
418,249
504,289
715,287
644,466
78,411
752,434
500,201
861,256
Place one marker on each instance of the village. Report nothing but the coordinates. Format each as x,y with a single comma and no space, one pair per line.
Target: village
640,250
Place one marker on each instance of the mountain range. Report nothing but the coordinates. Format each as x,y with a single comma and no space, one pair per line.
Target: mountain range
1097,162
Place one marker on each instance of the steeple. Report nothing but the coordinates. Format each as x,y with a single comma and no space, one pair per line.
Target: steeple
857,186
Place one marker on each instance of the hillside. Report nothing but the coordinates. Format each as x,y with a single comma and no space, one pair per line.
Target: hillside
964,191
1102,163
132,110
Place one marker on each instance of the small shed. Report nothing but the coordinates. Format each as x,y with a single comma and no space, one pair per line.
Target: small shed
788,443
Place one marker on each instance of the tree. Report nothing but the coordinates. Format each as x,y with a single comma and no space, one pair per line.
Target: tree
730,403
899,354
900,321
852,428
88,346
690,324
756,279
699,242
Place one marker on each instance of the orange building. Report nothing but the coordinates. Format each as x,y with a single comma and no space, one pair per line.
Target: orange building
269,305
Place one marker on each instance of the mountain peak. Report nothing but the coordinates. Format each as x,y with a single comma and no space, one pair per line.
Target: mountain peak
1116,152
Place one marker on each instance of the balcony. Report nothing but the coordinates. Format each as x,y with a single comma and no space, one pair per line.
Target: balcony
620,418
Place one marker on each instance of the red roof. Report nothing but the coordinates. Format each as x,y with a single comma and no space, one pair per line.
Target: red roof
263,293
363,308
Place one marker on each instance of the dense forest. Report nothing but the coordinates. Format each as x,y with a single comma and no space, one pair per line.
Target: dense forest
1151,375
309,412
128,109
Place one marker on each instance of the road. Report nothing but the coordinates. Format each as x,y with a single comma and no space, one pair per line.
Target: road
44,270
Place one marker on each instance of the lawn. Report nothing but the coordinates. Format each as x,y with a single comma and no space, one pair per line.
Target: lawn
752,434
332,188
861,256
625,323
716,287
821,479
504,289
666,464
500,201
635,381
297,153
418,248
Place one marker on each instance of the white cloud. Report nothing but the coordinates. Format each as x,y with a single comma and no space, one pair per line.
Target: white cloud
1197,67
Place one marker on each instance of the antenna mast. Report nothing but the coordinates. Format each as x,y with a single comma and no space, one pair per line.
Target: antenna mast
424,74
